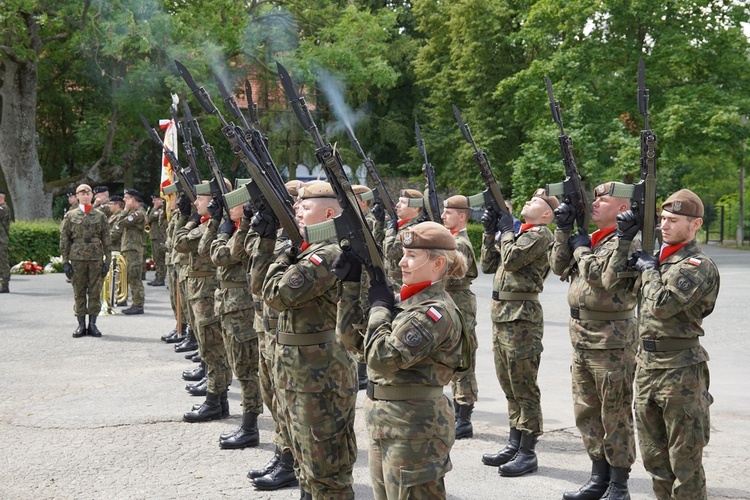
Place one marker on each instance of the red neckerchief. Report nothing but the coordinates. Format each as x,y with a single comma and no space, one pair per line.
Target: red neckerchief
86,208
454,232
401,222
599,234
409,290
669,250
304,246
525,227
205,218
237,225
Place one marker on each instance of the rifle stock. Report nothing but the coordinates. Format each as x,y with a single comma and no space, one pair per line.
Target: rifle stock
643,203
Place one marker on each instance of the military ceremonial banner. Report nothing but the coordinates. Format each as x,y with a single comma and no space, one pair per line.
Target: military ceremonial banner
170,141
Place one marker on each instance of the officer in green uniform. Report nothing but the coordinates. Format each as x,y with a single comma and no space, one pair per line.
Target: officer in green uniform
408,208
235,305
678,290
84,246
316,377
4,242
455,216
133,223
72,201
520,262
101,200
602,298
201,285
116,206
413,345
157,222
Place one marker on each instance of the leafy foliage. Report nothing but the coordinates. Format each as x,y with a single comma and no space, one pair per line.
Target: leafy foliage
37,241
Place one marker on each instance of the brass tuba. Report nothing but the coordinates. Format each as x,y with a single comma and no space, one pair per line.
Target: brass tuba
115,286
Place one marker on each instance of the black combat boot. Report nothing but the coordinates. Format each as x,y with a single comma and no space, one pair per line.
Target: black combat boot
271,465
362,375
224,403
525,460
506,454
199,388
93,330
209,410
464,429
596,485
247,436
81,330
170,335
195,374
157,283
618,484
188,344
281,476
4,288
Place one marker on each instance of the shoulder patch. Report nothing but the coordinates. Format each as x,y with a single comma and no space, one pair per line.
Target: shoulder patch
412,337
316,259
694,262
683,283
434,314
295,280
130,218
523,240
196,231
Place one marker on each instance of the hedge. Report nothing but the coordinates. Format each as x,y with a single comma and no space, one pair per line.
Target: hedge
475,232
36,240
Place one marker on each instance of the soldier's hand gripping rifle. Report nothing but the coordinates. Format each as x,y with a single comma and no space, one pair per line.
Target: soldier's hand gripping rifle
349,226
431,205
643,203
570,189
260,190
381,194
492,196
185,180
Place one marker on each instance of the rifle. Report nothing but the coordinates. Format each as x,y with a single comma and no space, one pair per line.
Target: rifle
183,130
349,226
185,180
644,193
380,192
260,190
492,196
431,205
570,188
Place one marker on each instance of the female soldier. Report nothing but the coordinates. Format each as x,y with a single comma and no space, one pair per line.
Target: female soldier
413,347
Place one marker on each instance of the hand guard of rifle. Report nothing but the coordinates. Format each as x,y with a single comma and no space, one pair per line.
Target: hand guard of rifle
348,267
628,225
565,217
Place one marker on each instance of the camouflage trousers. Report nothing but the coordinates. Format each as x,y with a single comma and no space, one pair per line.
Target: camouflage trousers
674,424
158,253
267,347
602,403
87,287
4,264
517,367
410,443
134,259
323,443
211,344
172,286
182,289
241,344
464,384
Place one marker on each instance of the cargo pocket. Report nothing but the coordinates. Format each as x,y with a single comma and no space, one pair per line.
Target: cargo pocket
331,447
425,472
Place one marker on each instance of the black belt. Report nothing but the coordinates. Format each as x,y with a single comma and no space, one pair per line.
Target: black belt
661,345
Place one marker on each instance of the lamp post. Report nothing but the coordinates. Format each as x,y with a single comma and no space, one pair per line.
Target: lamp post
741,218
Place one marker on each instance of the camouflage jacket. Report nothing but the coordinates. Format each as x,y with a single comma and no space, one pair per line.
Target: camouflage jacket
174,257
84,236
157,222
105,209
377,228
133,225
304,291
393,250
230,270
674,300
188,236
465,247
264,252
521,264
600,283
115,232
4,224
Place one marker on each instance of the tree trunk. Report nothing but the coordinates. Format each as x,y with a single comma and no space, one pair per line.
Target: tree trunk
19,159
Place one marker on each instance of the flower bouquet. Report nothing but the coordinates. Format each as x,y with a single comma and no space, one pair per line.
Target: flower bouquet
27,267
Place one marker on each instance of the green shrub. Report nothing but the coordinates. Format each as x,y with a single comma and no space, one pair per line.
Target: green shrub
475,232
36,240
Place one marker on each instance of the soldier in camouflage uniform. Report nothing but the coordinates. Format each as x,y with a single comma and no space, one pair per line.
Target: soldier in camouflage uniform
177,297
521,264
133,223
279,472
116,205
316,377
234,305
101,200
72,201
455,216
84,246
4,243
157,221
413,346
602,298
408,210
678,289
201,285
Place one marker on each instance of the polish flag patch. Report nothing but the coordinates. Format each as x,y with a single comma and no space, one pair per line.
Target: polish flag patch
434,314
694,261
315,259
